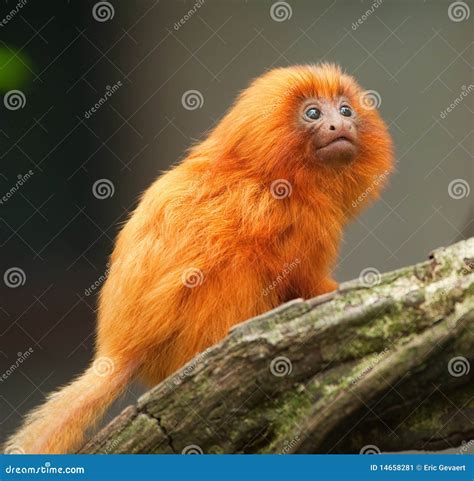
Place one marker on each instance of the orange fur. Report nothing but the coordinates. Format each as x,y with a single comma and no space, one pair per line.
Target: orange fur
215,212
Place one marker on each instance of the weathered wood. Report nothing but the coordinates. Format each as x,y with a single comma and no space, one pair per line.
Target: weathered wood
382,364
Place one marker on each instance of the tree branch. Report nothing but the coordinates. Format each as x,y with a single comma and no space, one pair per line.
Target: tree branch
381,364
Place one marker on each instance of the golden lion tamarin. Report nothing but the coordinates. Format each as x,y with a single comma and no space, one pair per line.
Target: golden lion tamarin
274,181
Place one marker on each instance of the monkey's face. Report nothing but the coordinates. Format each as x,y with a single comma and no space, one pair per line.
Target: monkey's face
331,125
304,118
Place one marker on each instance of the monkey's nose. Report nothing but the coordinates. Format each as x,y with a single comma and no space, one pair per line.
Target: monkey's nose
332,127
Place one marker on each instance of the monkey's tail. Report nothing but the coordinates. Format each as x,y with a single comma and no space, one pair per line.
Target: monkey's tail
59,425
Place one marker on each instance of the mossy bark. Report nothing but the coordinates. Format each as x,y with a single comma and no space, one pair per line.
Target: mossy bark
385,366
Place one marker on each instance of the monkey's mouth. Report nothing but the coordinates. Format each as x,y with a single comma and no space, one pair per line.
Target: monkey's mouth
341,148
338,141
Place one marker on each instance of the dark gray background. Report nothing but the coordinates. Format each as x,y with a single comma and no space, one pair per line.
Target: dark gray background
60,235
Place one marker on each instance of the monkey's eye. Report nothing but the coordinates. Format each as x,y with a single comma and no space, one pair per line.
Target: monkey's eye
313,113
346,111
